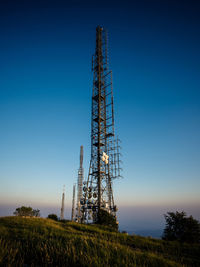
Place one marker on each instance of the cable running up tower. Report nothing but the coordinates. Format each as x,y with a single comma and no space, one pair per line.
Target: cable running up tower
104,163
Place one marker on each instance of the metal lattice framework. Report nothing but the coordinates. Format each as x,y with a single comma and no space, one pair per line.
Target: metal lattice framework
104,164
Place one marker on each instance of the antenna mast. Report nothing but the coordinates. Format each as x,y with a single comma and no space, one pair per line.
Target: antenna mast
73,202
80,185
63,203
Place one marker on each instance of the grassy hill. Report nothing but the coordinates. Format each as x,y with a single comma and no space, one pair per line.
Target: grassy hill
44,242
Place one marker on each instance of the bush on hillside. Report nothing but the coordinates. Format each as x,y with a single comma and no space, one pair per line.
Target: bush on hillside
64,221
53,217
181,228
107,219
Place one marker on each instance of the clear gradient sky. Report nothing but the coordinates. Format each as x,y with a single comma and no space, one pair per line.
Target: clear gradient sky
45,102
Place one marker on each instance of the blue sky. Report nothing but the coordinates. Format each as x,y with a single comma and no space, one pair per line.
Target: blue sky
45,100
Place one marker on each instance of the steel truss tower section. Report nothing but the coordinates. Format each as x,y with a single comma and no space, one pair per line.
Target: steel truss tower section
104,164
80,186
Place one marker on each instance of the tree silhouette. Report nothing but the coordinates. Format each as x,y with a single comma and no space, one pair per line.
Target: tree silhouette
27,211
181,228
36,213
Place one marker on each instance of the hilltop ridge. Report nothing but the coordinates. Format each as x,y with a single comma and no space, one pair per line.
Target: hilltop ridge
44,242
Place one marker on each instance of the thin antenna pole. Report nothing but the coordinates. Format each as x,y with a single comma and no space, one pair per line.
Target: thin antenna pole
63,204
73,202
80,185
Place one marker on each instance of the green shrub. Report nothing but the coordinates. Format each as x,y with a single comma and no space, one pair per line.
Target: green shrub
53,217
107,219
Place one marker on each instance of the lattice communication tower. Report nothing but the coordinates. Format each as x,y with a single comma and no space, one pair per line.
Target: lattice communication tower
80,187
105,155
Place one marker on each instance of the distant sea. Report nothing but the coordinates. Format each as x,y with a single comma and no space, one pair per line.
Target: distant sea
155,233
